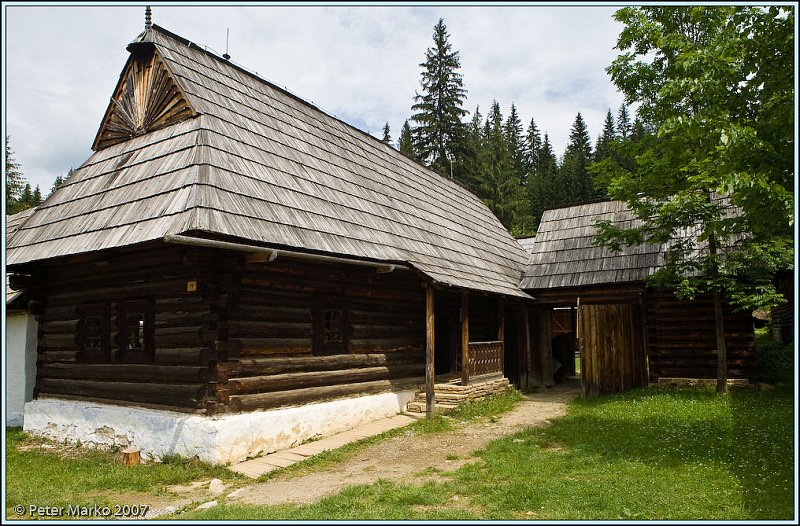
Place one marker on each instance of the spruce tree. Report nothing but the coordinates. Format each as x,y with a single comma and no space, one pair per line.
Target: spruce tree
499,187
552,192
574,168
405,144
14,180
438,131
387,138
473,154
26,197
623,121
603,146
515,143
37,197
533,143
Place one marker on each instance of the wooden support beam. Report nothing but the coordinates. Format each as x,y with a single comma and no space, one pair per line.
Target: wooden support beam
464,338
429,351
526,349
501,331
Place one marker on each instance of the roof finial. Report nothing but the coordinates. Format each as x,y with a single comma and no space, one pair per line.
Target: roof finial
148,23
227,36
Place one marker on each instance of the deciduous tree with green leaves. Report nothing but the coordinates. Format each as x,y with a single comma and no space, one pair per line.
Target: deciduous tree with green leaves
715,84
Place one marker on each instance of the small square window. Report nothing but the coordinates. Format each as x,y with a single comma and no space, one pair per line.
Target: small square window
135,326
136,332
333,326
93,327
331,329
93,334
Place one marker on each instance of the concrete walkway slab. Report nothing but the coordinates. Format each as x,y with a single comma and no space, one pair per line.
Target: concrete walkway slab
258,466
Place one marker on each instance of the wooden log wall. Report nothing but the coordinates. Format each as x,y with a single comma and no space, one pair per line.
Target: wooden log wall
682,338
272,354
782,324
180,375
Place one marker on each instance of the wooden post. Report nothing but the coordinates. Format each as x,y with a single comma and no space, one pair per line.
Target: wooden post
581,353
429,351
526,348
501,332
464,338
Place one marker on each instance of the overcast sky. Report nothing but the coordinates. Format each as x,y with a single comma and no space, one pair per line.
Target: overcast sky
360,64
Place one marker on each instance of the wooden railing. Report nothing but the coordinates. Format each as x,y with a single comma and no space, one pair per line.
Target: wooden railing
484,358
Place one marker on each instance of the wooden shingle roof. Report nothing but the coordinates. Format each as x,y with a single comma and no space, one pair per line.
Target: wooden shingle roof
563,255
253,162
526,243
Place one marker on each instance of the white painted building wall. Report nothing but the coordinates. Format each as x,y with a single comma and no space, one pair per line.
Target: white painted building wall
216,439
21,333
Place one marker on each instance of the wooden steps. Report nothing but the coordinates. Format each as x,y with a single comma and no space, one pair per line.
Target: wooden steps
449,395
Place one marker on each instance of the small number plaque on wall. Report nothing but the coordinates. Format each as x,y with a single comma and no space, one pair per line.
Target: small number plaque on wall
191,286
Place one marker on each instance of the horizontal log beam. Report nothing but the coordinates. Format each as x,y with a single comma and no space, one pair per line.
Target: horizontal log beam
168,394
126,372
318,394
289,381
263,366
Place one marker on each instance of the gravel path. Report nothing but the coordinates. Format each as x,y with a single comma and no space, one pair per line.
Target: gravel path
403,457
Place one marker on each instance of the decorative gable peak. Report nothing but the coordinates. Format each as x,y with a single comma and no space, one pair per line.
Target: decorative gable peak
146,98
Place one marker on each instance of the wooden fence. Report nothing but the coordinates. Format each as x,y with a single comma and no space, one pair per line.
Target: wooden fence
485,358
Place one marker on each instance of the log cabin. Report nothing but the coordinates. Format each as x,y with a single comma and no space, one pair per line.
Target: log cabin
234,271
20,331
593,301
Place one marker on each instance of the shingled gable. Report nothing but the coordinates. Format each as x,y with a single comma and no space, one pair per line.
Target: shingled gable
222,153
564,255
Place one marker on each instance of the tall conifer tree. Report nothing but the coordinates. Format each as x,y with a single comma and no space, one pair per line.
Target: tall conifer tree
473,154
15,182
515,144
533,143
499,187
405,144
574,168
438,131
623,121
604,141
387,138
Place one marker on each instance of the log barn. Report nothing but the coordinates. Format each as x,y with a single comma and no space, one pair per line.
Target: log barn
591,300
20,341
234,271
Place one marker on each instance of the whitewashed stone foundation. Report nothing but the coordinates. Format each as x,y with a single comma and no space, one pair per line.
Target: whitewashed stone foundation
218,439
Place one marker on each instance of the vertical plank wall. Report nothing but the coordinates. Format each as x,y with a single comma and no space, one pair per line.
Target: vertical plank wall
612,348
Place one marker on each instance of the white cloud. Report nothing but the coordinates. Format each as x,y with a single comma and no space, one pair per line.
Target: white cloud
359,63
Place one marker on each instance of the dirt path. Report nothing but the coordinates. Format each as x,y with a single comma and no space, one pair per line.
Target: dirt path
403,457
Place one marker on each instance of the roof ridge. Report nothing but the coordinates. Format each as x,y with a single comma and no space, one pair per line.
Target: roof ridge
246,71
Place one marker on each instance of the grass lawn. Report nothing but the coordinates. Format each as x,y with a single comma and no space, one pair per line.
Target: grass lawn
59,476
670,454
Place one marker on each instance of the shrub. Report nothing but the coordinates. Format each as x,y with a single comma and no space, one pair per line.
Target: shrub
775,360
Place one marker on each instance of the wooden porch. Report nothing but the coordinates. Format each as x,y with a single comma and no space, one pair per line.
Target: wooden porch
449,392
474,374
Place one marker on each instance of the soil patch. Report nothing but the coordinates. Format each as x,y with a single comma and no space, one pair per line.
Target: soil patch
409,457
